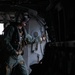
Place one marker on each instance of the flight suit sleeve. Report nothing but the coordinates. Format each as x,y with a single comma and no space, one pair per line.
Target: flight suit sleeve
8,38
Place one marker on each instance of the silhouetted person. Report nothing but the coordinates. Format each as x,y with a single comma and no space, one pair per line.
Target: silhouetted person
15,39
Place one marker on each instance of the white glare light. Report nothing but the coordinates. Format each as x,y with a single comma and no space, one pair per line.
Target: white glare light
1,28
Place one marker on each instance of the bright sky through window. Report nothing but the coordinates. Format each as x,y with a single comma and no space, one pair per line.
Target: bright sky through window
1,28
